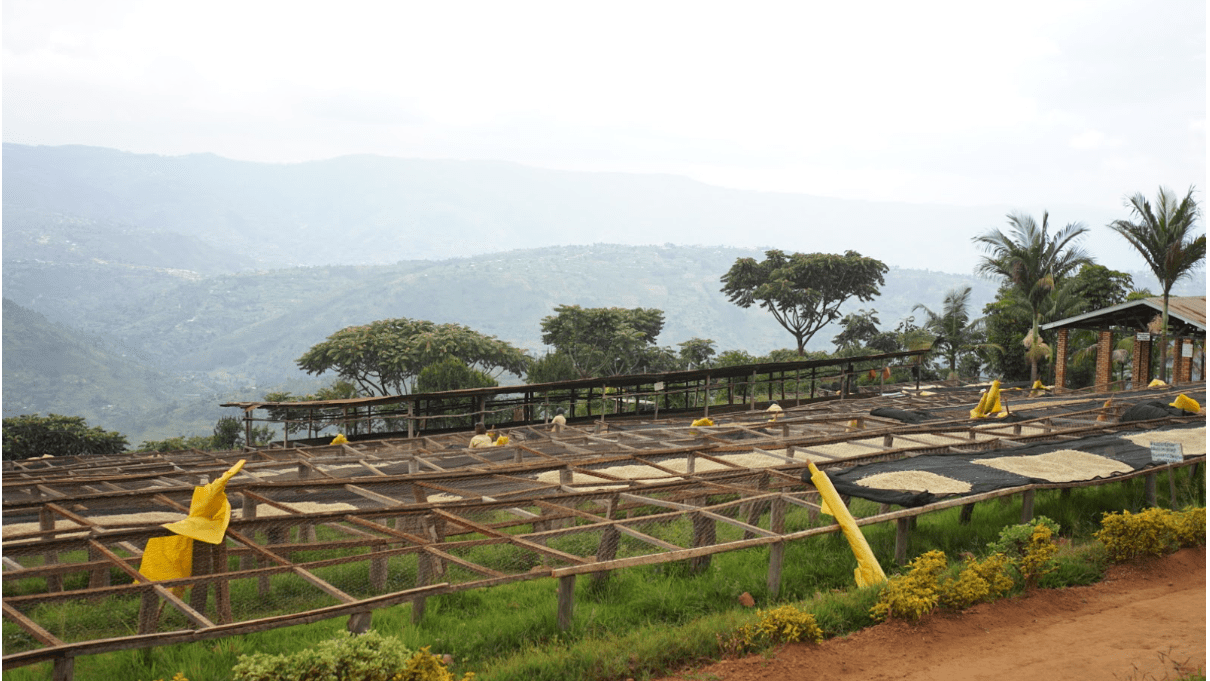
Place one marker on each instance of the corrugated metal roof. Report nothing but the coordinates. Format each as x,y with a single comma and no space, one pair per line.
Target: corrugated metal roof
1187,314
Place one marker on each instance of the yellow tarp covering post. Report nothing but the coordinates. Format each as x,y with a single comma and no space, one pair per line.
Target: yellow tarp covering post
340,439
209,515
989,404
702,422
1157,383
868,570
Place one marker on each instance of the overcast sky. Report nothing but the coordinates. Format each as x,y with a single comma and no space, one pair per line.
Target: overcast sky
1027,104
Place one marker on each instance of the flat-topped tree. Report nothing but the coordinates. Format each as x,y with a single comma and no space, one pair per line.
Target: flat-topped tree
382,357
607,341
803,291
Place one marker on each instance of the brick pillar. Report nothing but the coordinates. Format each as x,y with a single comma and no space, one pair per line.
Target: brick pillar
1104,360
1182,367
1061,361
1141,366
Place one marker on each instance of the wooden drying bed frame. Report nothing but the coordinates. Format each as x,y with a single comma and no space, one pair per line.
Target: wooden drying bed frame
393,526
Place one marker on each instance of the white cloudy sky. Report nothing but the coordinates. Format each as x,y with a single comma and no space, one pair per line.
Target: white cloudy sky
1026,103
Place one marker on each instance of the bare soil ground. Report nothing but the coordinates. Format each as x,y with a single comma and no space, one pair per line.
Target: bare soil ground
1145,622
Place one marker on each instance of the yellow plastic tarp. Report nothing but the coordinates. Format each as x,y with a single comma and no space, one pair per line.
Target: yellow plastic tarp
702,422
1187,403
501,441
340,439
1157,383
209,515
989,404
868,571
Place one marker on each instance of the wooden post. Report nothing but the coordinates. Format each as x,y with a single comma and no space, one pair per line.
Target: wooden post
1149,488
46,521
222,589
149,612
608,547
64,669
199,593
777,550
423,574
706,409
704,534
752,406
964,518
378,570
1172,486
359,622
1027,506
99,576
411,423
902,529
567,601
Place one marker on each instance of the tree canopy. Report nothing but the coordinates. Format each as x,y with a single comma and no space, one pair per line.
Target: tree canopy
955,333
804,292
31,436
383,357
1032,262
608,341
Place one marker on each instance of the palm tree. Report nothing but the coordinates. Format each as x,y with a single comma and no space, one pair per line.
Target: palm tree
1032,261
953,330
1164,238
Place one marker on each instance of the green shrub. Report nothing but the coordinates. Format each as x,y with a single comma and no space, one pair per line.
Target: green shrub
368,657
1015,539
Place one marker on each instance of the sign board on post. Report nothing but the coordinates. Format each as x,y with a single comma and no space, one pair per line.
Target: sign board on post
1187,350
1142,336
1167,452
659,386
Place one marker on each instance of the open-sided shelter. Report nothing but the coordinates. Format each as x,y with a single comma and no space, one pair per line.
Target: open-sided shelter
1186,318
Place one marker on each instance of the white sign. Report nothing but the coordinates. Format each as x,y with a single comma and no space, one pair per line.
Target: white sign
1166,452
1187,350
659,386
1143,336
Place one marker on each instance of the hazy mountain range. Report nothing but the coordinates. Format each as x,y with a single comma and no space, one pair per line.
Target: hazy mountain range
140,291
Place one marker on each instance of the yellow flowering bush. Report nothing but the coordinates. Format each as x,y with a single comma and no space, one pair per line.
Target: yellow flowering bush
1039,558
785,624
979,580
915,594
1153,532
424,666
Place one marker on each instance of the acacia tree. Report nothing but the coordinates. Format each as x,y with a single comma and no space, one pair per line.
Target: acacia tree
804,292
696,353
1164,237
607,341
382,357
1032,262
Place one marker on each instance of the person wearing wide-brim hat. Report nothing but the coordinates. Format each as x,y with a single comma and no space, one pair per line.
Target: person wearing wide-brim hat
775,411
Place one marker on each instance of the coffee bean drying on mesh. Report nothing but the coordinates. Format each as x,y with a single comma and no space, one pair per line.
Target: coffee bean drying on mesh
982,478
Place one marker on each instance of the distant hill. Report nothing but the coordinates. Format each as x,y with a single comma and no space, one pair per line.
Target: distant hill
50,368
357,210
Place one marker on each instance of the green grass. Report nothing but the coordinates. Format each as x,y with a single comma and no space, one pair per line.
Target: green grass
638,622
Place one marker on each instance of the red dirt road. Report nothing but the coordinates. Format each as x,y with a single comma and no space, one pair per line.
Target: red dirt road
1145,621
